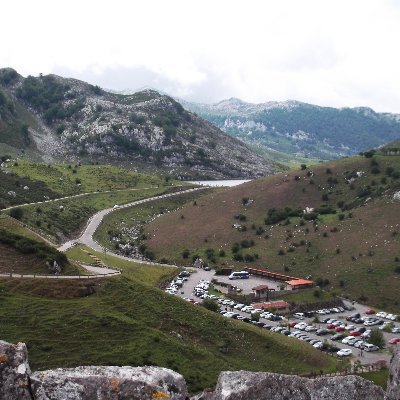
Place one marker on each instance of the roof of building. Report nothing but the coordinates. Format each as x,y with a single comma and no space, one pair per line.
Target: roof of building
299,282
260,287
271,304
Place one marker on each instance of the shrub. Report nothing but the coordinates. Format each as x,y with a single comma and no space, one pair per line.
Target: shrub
238,257
210,305
325,197
377,338
303,167
235,248
281,252
17,213
185,253
222,253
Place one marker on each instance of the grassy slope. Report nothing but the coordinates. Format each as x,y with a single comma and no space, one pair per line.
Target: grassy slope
12,260
57,181
127,322
61,178
370,234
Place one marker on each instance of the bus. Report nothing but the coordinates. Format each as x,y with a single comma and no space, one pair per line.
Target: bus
239,275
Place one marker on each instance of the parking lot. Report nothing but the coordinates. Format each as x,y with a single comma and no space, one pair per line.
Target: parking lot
187,291
246,285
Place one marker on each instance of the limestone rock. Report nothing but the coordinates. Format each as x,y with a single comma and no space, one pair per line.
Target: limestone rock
14,372
243,385
109,383
393,386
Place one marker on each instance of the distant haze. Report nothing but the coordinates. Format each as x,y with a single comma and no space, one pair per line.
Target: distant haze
335,53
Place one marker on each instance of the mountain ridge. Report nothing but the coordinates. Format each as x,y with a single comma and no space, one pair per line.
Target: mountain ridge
71,120
301,129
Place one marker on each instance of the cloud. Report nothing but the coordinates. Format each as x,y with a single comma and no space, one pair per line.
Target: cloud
337,53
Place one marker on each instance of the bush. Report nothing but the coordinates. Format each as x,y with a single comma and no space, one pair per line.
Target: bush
185,254
377,338
303,167
222,253
325,197
210,305
17,213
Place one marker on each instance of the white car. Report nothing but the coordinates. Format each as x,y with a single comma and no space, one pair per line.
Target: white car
396,330
247,309
346,339
238,306
370,347
310,328
301,325
318,345
381,314
344,353
366,334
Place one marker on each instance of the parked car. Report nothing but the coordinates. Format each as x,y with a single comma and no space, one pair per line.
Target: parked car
321,332
396,330
395,340
370,347
338,336
346,339
344,352
381,314
340,329
369,312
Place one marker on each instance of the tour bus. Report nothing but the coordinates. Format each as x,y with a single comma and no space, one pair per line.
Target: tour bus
239,275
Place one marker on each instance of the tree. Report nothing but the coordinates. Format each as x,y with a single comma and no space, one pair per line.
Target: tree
377,338
210,305
17,213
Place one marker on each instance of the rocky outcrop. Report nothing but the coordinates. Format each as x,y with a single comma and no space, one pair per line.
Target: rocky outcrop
109,383
14,372
244,385
393,386
154,383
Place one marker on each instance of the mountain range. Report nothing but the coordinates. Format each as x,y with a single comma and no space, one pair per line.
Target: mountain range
299,129
60,119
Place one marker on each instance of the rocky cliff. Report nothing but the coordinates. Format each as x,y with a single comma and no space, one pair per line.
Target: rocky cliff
67,119
151,383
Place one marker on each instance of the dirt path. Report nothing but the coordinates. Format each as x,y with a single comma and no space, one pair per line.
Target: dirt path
97,272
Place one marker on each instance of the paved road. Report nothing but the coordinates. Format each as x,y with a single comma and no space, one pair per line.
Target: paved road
87,236
368,357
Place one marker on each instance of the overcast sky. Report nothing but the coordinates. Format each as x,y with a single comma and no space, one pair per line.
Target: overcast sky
331,52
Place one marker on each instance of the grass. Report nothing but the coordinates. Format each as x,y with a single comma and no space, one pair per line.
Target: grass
357,252
63,178
145,273
68,221
380,378
307,296
127,322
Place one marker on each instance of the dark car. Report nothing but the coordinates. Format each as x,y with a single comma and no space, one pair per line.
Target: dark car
321,332
308,314
361,329
338,336
266,326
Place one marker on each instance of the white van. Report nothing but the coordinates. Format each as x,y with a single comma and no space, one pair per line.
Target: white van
239,275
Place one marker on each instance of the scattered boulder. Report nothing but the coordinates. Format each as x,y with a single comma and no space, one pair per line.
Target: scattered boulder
244,385
14,372
109,383
396,196
393,385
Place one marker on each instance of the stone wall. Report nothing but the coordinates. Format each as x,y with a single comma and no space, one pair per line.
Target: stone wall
154,383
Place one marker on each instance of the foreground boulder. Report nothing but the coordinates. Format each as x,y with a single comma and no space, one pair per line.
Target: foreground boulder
243,385
109,383
14,372
393,386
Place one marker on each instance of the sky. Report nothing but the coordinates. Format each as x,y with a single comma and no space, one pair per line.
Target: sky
332,52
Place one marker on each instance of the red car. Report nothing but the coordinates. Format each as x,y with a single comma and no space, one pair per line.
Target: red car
355,333
339,329
292,324
369,312
330,326
395,340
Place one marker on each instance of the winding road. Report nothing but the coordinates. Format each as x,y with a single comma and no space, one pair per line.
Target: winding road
94,222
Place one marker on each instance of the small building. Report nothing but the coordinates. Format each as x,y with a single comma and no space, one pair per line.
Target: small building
300,284
279,305
261,292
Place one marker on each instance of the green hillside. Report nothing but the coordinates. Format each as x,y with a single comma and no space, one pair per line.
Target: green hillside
126,322
349,243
